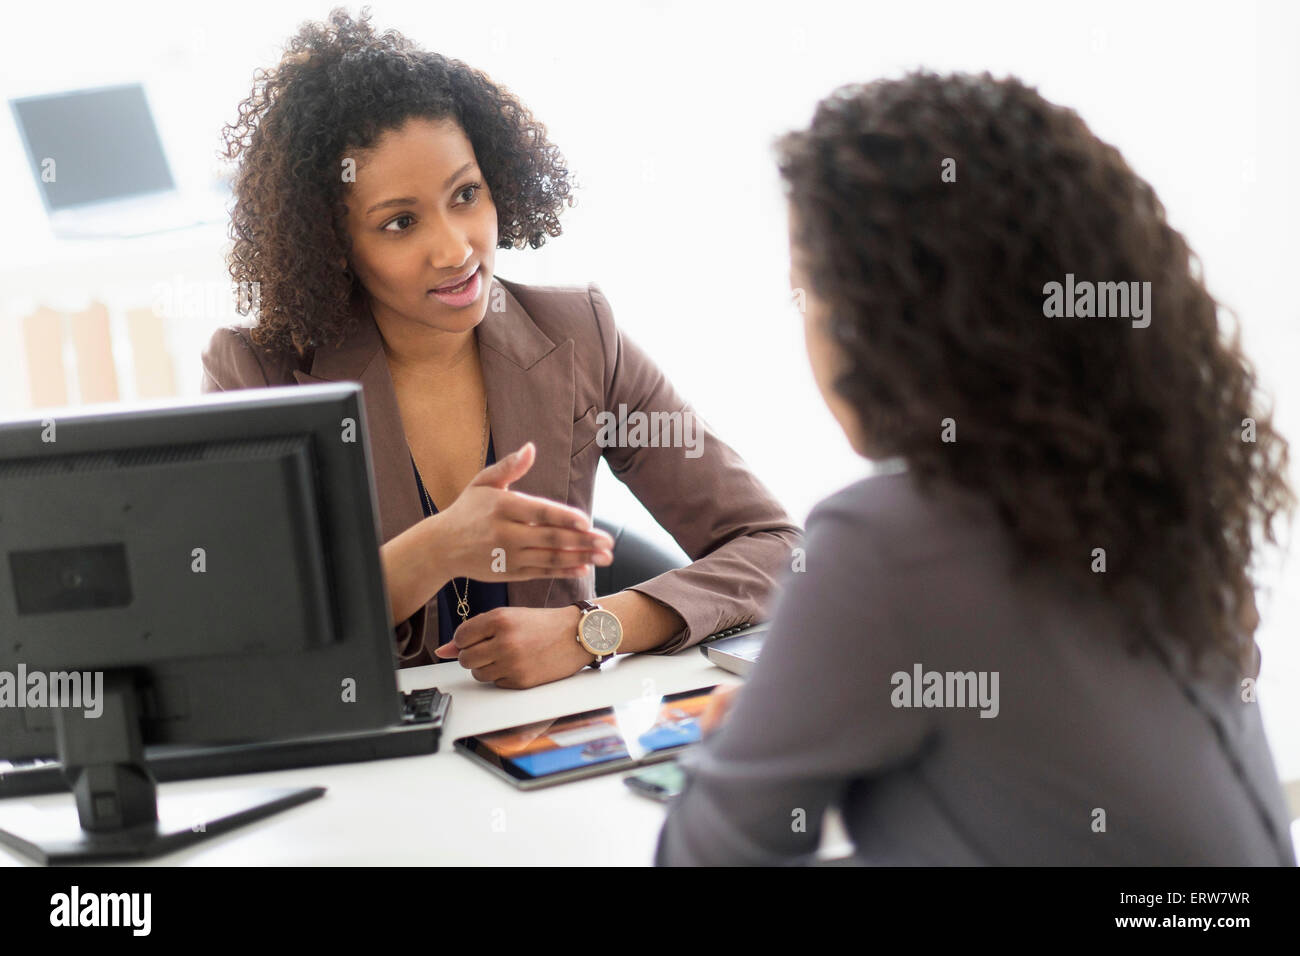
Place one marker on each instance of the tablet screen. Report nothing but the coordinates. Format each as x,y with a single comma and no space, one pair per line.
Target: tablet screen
603,740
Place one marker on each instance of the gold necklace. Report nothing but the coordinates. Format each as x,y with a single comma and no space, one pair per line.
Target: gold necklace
462,603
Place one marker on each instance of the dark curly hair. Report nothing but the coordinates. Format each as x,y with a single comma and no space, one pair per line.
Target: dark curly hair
338,87
1084,432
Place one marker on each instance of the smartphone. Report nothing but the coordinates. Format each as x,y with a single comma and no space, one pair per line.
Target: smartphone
661,782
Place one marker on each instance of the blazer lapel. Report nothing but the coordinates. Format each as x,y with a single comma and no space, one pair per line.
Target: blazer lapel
530,393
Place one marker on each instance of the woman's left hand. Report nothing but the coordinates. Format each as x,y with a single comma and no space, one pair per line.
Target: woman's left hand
519,647
716,709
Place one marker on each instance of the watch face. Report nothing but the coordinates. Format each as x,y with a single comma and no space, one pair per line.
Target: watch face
601,631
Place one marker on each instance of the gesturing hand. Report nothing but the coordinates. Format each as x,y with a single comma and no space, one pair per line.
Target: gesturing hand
537,537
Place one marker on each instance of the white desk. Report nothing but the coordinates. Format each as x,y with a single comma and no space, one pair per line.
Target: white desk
442,808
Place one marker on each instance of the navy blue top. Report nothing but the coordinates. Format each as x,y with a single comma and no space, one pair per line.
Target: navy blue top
483,595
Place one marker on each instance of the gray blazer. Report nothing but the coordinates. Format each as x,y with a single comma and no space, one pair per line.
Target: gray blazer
553,361
1087,755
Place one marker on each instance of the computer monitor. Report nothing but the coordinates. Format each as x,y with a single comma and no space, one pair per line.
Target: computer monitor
199,583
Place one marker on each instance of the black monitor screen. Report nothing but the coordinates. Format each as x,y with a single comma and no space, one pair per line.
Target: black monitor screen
224,553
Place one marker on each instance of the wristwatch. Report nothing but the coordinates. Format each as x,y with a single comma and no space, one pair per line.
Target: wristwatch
599,631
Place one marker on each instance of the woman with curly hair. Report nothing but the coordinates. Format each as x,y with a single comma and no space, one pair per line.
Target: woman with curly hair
1028,638
375,182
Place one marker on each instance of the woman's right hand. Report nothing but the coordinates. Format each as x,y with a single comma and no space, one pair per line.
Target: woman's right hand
537,538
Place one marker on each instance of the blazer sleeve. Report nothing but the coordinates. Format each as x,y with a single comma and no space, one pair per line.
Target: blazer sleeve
229,362
737,535
814,715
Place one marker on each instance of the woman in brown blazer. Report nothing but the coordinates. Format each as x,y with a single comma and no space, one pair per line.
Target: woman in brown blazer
375,182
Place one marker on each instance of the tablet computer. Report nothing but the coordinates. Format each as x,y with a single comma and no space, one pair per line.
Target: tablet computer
631,734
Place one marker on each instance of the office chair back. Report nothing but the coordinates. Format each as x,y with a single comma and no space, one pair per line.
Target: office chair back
636,559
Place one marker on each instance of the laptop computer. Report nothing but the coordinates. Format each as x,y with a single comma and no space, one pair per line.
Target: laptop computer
736,650
99,165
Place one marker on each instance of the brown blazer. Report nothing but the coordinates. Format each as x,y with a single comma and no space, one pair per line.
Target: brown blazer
552,360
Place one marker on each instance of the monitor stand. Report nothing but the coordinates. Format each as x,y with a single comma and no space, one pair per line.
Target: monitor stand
119,815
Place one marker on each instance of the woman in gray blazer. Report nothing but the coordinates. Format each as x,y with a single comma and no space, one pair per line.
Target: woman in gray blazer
1028,639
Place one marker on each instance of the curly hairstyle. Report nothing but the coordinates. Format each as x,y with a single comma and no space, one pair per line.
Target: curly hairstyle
337,89
1084,432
